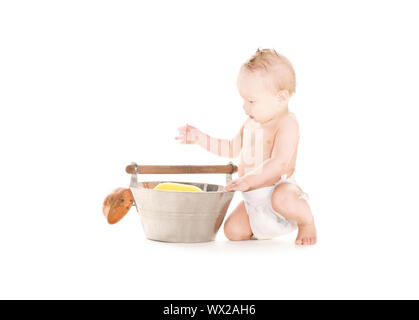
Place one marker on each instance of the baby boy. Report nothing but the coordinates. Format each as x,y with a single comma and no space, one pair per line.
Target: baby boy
266,145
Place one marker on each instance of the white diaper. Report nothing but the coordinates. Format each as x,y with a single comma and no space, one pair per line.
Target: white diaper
265,222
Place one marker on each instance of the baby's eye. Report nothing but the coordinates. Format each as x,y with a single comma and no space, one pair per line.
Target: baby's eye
251,101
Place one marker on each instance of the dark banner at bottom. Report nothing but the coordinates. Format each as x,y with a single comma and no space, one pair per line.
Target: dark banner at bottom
208,309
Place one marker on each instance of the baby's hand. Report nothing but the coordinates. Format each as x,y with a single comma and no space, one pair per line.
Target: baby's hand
188,134
239,184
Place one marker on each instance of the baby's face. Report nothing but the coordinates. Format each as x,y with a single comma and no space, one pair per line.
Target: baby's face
260,103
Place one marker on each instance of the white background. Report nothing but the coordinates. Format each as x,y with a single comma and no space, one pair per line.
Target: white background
86,87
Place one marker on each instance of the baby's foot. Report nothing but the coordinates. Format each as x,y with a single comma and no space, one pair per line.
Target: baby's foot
306,234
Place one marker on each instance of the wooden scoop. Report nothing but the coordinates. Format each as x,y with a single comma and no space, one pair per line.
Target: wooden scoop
117,204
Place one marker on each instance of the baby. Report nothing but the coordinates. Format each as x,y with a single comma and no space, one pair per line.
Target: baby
266,145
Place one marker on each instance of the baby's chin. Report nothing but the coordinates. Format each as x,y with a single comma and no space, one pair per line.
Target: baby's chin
259,120
262,121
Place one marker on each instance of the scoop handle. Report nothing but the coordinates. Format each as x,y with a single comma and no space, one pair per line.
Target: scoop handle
152,169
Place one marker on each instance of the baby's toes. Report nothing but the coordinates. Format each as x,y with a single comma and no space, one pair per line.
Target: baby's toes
302,241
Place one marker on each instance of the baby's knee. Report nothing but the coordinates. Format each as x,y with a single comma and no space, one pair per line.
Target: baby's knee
284,196
235,232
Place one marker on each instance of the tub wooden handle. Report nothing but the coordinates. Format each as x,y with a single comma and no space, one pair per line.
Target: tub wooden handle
151,169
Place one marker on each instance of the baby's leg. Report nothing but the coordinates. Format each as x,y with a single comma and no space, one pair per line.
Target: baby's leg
237,226
286,200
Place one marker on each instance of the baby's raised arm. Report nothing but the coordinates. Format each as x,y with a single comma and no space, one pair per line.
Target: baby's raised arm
221,147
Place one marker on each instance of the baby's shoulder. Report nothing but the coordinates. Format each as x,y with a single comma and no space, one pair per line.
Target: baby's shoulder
289,121
291,117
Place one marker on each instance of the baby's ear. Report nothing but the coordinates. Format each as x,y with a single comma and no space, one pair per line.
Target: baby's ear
283,95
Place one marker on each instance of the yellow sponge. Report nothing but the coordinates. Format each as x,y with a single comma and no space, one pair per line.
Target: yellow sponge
171,186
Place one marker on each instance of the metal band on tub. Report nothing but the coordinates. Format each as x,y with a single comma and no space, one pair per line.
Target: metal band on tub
229,175
134,180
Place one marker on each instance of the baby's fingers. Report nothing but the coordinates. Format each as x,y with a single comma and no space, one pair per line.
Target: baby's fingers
188,134
186,127
230,186
182,138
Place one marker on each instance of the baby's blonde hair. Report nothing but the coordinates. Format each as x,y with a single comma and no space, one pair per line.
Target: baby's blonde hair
275,64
